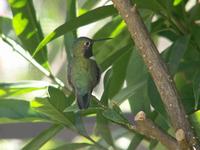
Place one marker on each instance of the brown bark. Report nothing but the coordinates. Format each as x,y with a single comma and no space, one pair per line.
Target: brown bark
147,127
157,69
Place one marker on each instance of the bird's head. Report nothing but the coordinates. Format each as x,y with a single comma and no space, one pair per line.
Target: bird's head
82,47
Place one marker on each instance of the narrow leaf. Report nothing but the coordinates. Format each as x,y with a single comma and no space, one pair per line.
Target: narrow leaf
136,79
114,116
177,51
44,106
69,37
89,17
127,92
28,28
13,110
135,141
38,141
58,99
195,119
196,89
102,128
119,69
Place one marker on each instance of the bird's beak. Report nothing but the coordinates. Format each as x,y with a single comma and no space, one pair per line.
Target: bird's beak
99,40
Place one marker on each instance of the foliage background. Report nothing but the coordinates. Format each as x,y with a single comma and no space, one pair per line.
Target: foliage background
27,95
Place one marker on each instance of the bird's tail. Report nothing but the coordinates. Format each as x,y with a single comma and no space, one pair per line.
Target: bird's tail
83,100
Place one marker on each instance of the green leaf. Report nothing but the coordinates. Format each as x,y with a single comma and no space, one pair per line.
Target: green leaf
58,99
106,81
136,78
153,144
69,37
185,89
196,35
127,92
178,49
115,77
106,54
118,75
154,6
110,29
6,29
89,17
28,28
72,146
177,2
44,106
13,110
89,4
135,141
109,60
22,88
79,124
195,13
5,25
38,141
54,106
102,128
114,116
155,98
196,88
195,120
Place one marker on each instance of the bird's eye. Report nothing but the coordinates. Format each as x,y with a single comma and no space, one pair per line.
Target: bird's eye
87,43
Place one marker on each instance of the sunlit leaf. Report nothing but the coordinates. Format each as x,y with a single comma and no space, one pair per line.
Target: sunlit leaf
28,28
13,110
44,106
22,88
43,137
89,17
177,2
195,119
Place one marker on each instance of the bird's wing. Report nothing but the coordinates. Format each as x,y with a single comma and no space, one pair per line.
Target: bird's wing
95,71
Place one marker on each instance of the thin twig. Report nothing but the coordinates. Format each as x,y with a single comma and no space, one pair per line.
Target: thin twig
157,69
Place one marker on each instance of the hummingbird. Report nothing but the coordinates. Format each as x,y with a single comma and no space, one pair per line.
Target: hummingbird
83,71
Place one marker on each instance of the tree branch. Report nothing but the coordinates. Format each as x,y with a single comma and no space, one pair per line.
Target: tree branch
147,127
157,69
180,137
